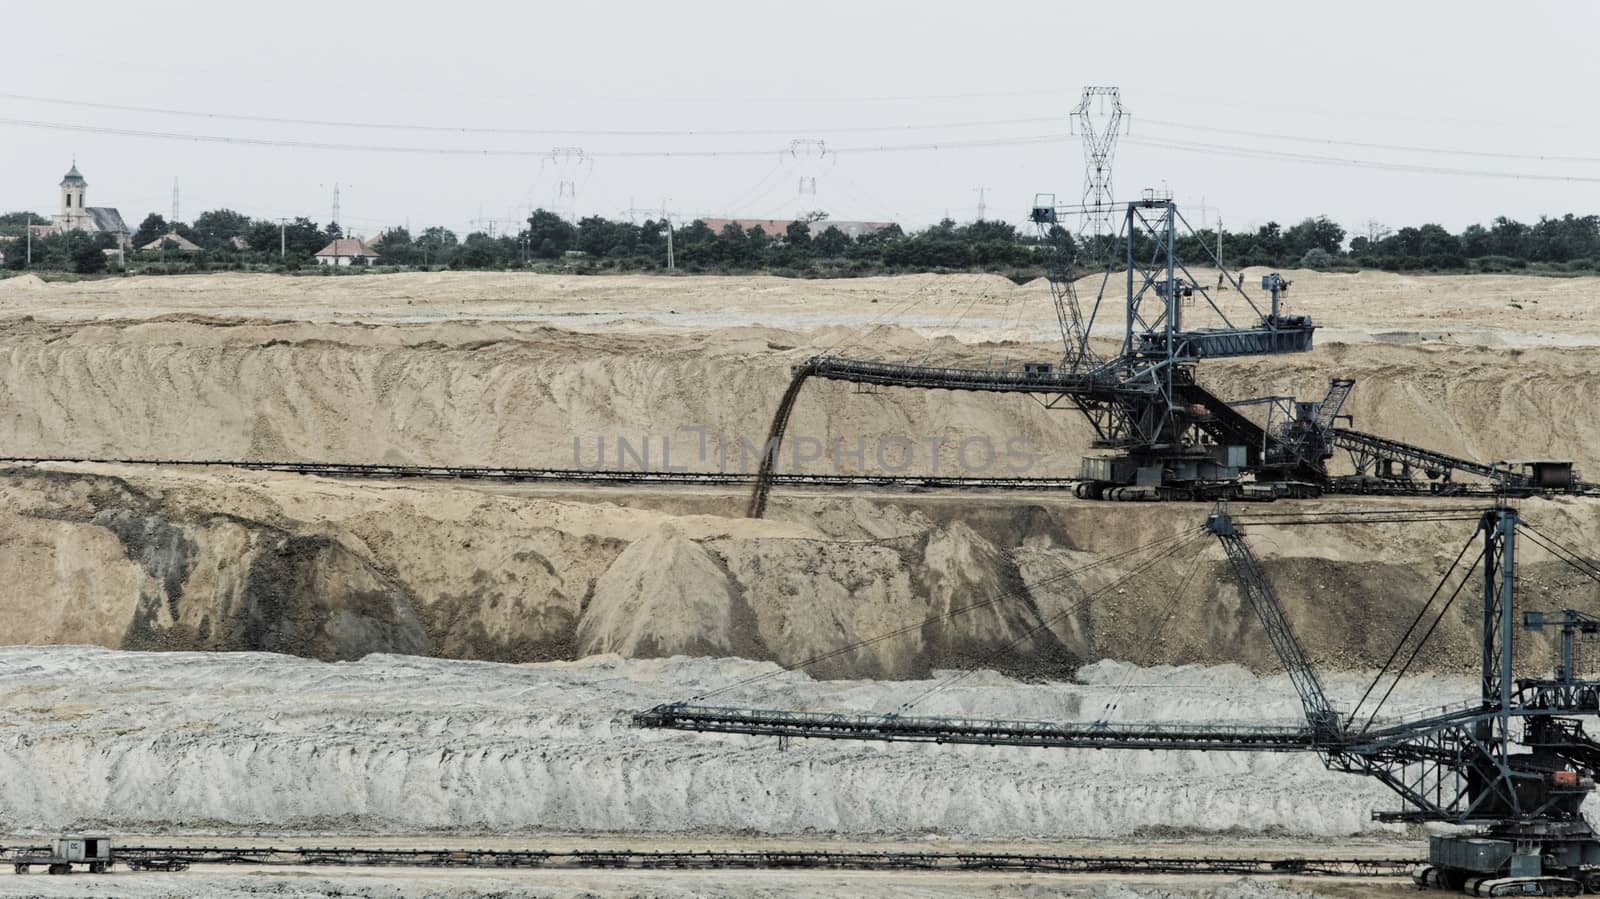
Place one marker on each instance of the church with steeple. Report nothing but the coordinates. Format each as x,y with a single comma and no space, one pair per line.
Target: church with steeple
76,215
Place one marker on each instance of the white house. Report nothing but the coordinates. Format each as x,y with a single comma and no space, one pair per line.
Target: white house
347,251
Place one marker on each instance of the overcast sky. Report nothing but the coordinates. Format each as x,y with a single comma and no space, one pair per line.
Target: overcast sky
1458,78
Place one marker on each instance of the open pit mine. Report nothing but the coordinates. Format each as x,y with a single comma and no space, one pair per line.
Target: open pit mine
541,585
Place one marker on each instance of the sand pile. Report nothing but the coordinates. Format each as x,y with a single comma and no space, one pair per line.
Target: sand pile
19,283
666,595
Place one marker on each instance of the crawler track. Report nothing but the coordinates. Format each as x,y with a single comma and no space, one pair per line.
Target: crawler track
170,858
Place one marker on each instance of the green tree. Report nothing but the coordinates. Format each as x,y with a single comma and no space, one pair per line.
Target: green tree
1319,233
214,229
831,242
988,230
734,245
760,240
438,245
1508,238
397,248
77,251
479,251
151,228
1405,242
303,237
549,234
696,243
1268,246
1474,241
797,234
653,239
1434,240
597,236
263,237
16,223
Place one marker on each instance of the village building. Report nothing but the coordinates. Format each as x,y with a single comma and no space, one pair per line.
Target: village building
174,241
347,251
76,215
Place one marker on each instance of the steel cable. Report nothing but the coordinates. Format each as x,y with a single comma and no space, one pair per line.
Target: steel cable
1421,643
1421,613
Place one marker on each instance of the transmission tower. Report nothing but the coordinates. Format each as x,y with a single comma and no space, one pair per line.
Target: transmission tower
809,155
1098,120
662,214
567,163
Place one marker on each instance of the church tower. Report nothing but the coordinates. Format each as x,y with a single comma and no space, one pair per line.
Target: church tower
76,214
73,216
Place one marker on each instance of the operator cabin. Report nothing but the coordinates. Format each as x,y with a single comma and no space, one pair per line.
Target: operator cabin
75,216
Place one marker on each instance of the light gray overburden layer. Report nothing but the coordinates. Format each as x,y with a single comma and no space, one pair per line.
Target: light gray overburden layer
134,742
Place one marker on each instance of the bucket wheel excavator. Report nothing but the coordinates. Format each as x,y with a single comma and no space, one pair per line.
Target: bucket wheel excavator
1512,768
1159,433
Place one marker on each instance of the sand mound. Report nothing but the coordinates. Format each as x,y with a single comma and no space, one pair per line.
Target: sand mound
22,282
666,595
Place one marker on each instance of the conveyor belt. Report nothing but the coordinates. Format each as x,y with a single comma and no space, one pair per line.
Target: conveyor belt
577,475
977,731
605,477
180,857
1358,441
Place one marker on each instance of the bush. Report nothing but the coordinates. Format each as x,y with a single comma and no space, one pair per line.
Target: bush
1316,258
1498,264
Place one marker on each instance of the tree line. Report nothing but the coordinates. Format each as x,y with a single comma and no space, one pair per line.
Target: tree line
810,246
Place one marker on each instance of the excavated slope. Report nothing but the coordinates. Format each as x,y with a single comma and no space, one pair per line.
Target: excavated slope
127,557
471,370
527,395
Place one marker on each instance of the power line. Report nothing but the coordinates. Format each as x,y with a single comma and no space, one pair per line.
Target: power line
1329,141
546,132
1023,140
1287,156
767,99
746,198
